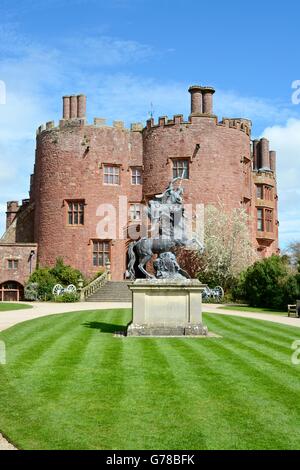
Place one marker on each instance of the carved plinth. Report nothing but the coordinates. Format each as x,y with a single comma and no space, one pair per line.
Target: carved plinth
164,307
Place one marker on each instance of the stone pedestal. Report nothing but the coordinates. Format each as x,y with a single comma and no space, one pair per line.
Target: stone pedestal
166,308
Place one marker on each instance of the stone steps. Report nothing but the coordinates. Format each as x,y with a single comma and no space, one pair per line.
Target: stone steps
112,291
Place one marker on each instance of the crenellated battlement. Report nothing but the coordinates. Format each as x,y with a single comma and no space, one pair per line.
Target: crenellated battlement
165,121
74,115
241,124
98,123
244,125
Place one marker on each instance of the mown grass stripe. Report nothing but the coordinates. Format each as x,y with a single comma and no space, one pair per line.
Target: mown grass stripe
230,399
41,339
36,385
96,385
269,365
268,354
271,329
271,390
118,393
254,337
157,416
251,429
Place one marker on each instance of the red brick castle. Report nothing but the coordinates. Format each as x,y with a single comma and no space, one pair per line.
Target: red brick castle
79,166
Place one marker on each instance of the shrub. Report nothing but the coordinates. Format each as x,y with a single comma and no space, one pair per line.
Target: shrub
31,291
46,278
65,274
290,290
98,273
237,291
67,297
269,283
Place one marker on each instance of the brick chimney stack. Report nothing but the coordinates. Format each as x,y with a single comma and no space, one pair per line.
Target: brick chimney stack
265,154
201,100
207,96
74,107
81,106
256,155
66,107
273,160
196,99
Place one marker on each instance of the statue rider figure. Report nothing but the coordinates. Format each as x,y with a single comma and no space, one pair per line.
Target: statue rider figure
163,209
167,217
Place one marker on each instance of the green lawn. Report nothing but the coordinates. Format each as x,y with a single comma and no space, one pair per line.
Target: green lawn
253,309
69,384
5,306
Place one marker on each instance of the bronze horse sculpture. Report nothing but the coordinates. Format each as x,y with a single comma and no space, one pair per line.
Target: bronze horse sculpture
145,248
168,206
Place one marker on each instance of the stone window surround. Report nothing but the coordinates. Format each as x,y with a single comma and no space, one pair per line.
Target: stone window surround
181,166
133,205
265,219
79,212
136,176
105,166
264,192
12,263
179,160
100,252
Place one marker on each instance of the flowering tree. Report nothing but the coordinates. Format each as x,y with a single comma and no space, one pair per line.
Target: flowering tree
228,248
293,254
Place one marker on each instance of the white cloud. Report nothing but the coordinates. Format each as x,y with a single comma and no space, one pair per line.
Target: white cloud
97,51
286,141
251,107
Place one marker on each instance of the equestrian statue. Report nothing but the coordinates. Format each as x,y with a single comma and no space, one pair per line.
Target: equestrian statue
168,231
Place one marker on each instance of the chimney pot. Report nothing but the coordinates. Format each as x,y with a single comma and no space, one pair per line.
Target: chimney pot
66,107
81,104
73,107
273,161
265,154
207,96
196,99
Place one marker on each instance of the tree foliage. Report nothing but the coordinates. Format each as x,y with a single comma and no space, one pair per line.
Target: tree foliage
45,279
269,283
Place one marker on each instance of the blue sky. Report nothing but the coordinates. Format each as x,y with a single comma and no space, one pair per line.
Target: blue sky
125,54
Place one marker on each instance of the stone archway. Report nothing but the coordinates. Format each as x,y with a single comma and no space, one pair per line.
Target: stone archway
11,291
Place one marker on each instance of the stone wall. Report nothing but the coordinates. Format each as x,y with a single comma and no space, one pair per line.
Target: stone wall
20,252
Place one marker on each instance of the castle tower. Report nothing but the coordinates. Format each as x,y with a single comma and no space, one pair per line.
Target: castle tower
84,172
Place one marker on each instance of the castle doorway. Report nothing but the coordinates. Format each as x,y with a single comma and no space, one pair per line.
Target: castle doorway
11,291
